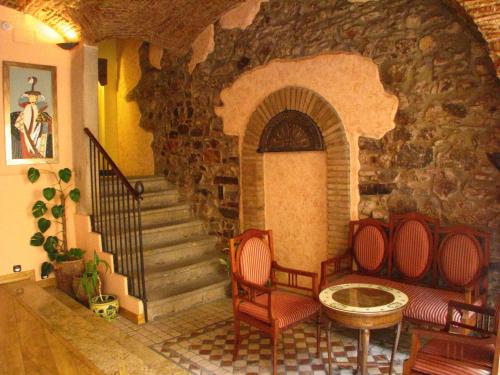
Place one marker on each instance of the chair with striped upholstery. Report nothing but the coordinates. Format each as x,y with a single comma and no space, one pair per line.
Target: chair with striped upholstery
447,353
257,300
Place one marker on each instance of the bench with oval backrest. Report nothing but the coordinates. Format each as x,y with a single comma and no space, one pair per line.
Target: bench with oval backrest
413,253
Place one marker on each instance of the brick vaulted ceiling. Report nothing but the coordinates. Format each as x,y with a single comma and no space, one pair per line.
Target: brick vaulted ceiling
174,24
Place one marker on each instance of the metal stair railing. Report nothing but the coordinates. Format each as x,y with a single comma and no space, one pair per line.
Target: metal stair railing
116,215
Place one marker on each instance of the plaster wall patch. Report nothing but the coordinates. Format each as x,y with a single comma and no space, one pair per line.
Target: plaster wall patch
242,16
202,46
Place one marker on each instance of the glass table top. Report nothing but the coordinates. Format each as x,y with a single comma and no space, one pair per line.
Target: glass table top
363,298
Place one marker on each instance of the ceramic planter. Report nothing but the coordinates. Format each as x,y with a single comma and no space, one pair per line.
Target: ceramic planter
106,308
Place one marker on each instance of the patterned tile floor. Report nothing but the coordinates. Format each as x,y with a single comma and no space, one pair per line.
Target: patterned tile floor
201,341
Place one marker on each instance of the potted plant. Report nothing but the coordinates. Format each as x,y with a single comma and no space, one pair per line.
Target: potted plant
51,212
103,305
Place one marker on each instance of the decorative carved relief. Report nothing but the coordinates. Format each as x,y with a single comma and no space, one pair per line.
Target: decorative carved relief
290,131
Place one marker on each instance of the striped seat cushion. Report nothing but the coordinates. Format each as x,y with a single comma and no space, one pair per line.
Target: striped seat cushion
431,364
412,249
255,261
287,308
460,259
369,247
425,304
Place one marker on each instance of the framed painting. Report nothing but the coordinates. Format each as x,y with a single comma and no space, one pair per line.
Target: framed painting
30,106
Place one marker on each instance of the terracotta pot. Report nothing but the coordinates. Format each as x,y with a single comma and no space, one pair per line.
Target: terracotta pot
79,291
65,271
107,308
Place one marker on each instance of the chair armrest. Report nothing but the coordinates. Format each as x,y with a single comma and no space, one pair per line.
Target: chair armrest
466,307
338,266
293,275
253,291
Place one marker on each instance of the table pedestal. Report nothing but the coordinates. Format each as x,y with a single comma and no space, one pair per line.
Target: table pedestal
363,345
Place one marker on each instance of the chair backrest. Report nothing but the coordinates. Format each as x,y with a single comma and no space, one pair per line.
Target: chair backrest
463,255
253,257
369,244
413,244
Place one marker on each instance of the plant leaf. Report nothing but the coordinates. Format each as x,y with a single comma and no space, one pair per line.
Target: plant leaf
47,268
51,244
75,195
49,193
33,174
43,224
39,209
65,174
75,253
57,211
37,239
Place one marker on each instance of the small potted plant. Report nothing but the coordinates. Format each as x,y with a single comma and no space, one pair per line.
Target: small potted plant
65,262
103,305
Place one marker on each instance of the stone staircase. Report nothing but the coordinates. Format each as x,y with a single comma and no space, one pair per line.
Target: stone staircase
181,263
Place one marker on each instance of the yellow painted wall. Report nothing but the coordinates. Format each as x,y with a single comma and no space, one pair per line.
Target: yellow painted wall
127,143
107,96
28,43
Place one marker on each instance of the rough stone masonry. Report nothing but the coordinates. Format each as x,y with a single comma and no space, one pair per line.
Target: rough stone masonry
434,161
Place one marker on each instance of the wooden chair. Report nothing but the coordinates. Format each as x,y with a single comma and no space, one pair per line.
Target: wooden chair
447,353
256,298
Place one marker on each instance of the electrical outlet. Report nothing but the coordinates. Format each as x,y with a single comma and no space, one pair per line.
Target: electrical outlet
17,268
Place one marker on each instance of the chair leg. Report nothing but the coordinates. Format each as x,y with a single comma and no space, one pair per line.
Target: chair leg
318,335
237,338
275,354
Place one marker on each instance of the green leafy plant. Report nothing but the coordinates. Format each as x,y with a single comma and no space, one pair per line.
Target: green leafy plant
91,281
51,211
225,262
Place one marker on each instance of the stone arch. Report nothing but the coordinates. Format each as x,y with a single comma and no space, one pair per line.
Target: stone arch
338,160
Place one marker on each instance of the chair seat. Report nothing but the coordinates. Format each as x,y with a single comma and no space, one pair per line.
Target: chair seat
436,365
287,308
482,356
425,304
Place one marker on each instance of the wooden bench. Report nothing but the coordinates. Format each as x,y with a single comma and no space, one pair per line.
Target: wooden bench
413,253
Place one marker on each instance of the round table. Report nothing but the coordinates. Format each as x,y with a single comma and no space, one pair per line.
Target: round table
363,307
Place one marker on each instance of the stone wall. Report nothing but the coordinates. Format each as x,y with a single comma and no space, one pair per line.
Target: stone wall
434,161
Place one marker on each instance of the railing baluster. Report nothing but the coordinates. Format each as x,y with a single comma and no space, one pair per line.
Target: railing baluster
116,215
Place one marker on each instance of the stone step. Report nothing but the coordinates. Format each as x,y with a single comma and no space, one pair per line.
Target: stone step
162,282
201,292
151,184
176,231
149,200
153,217
180,253
159,236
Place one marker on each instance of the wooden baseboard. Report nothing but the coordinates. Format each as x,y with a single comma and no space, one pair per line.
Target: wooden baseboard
17,276
134,318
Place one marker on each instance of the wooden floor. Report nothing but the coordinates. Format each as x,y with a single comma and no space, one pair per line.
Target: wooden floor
27,345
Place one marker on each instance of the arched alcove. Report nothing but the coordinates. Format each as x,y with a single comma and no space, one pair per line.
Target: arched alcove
337,160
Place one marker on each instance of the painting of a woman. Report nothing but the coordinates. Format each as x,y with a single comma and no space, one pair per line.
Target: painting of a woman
30,132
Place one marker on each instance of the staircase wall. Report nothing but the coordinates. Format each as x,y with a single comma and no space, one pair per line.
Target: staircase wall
113,283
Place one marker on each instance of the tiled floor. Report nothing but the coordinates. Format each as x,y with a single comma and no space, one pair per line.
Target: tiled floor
201,341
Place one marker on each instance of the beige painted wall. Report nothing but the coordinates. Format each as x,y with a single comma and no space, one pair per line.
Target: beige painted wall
29,42
296,207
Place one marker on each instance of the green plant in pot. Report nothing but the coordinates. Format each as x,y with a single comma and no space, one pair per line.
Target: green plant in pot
50,212
103,305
